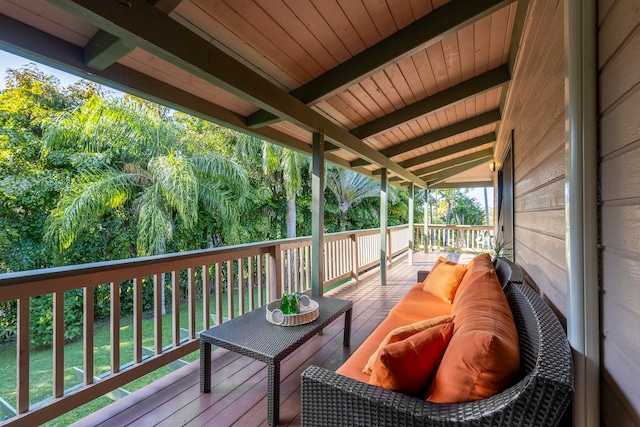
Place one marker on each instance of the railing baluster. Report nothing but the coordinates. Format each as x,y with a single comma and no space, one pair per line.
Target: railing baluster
158,289
218,285
251,276
23,355
175,307
230,291
88,335
260,281
58,344
114,290
206,298
191,306
137,319
241,303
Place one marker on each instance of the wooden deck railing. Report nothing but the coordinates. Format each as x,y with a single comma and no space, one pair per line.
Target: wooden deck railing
458,238
214,284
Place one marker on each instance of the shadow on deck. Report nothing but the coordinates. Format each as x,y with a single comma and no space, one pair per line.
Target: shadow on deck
239,386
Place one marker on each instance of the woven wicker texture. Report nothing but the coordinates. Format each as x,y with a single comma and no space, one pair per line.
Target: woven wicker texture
539,398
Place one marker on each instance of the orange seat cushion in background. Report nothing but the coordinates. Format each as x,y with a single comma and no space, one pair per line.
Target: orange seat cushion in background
483,357
444,279
407,366
404,332
476,267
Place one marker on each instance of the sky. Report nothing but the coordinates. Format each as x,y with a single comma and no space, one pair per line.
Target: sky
8,60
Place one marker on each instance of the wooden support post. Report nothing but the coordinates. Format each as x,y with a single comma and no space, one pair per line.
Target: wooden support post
410,231
317,216
354,257
426,220
384,198
274,273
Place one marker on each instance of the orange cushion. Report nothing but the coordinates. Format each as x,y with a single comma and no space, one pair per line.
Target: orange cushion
403,332
444,279
483,357
478,266
407,366
418,305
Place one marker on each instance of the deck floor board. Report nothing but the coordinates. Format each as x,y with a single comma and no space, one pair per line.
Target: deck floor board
239,383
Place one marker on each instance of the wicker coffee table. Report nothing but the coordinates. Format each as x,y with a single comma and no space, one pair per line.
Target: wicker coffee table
252,335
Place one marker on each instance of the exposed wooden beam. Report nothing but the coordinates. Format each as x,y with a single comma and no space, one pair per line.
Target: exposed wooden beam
469,184
34,44
435,136
176,44
475,86
428,30
454,162
447,151
439,177
104,48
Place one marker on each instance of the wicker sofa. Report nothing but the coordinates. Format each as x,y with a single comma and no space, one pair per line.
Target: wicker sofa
539,397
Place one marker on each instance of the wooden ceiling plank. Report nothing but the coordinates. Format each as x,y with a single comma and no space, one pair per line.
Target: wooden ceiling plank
362,21
319,27
166,38
439,177
482,31
451,51
401,84
104,49
412,76
462,91
426,31
401,12
335,17
421,61
269,29
467,57
292,24
438,66
499,37
383,82
454,162
451,149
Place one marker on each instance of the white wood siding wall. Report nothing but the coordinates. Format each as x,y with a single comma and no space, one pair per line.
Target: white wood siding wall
535,111
619,110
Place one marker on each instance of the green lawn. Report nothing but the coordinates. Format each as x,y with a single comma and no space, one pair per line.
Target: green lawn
41,360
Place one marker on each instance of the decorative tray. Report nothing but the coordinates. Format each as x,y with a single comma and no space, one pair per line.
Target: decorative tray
308,313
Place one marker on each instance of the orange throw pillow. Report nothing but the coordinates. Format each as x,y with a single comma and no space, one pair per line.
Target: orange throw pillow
402,332
483,357
407,366
444,279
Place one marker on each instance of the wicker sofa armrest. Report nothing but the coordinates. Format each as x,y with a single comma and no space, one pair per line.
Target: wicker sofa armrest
330,399
422,274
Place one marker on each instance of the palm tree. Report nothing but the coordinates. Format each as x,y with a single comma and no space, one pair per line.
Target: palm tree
134,155
350,188
289,164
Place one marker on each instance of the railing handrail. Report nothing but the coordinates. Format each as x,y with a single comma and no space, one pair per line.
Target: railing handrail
28,276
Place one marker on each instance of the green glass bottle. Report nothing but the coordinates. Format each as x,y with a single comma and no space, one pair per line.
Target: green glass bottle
294,306
284,304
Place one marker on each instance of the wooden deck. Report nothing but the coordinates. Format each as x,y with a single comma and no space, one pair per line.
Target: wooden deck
239,385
